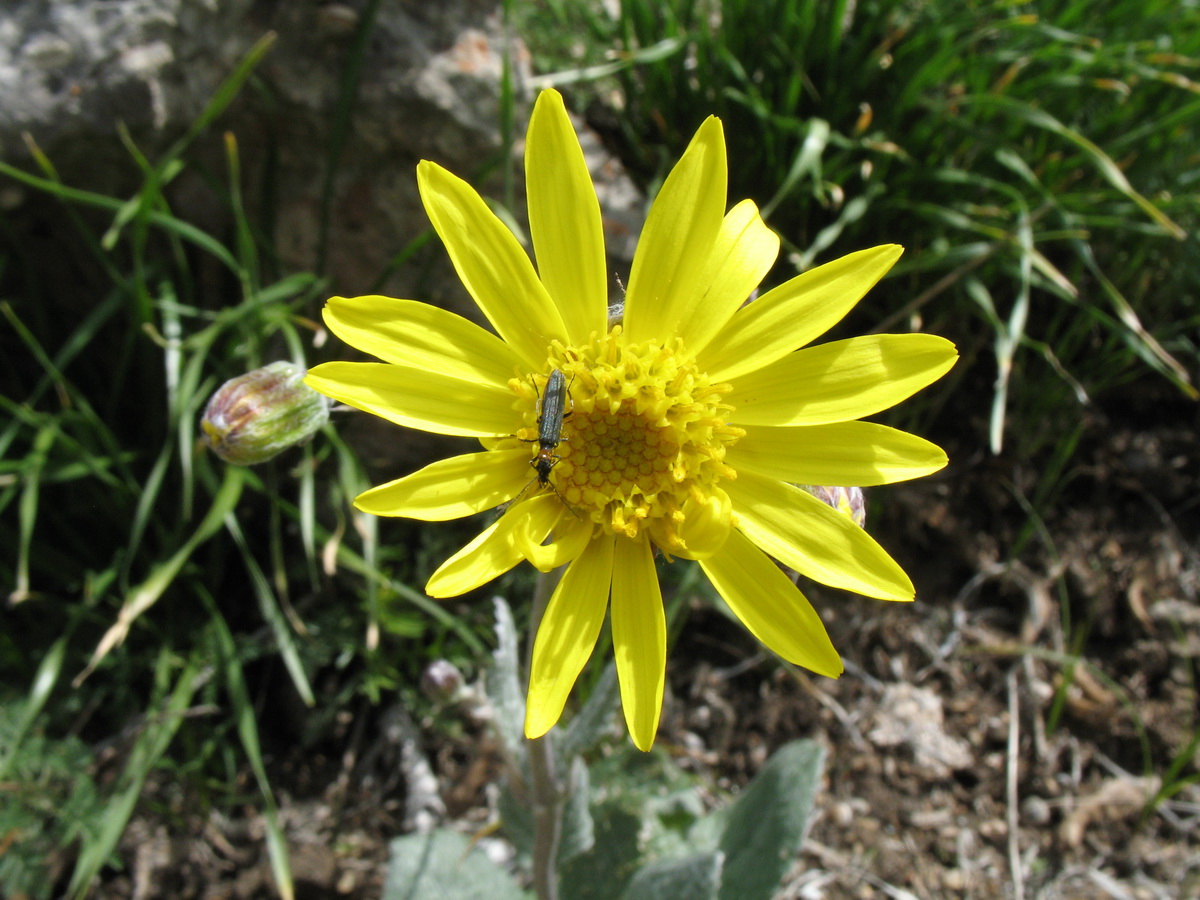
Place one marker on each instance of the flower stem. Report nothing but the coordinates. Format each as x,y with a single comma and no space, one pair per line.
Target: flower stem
548,795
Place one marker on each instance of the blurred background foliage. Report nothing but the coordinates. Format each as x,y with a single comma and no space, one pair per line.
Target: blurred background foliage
1038,161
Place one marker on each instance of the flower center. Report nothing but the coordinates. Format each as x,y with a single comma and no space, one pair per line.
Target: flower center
642,443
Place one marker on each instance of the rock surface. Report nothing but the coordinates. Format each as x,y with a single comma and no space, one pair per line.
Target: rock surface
429,86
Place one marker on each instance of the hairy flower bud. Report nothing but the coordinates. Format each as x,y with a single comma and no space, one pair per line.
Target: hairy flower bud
849,500
258,415
442,681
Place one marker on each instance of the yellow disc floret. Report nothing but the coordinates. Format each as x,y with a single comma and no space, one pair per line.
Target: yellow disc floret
642,443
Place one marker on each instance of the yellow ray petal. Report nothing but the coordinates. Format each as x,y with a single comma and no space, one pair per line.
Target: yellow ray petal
421,336
567,635
490,555
802,532
841,380
492,265
417,398
639,633
451,488
744,251
564,219
706,524
677,238
569,539
795,313
536,517
844,454
770,606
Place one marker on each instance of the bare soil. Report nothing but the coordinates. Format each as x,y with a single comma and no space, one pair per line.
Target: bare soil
1002,736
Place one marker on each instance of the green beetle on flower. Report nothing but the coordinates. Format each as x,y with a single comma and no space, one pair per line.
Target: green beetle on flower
692,421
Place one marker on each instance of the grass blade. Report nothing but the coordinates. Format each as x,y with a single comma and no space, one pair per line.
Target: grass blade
156,735
273,615
148,592
247,728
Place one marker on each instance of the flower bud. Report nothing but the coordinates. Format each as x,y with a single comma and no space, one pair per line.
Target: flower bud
258,415
849,500
442,681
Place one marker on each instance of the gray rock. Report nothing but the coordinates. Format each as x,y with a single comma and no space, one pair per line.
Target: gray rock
71,70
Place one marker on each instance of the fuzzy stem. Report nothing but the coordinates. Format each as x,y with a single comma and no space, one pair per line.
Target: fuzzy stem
548,793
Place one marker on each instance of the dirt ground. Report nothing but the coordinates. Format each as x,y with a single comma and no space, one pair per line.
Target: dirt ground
967,757
945,776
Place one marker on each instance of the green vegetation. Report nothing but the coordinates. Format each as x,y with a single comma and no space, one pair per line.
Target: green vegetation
128,572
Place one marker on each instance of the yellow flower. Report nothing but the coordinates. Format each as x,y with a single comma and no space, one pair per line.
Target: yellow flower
686,429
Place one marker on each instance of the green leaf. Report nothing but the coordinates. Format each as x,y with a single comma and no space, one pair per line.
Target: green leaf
43,683
594,721
765,826
503,683
1107,168
602,873
149,591
49,802
696,877
161,722
443,865
268,604
578,829
247,726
